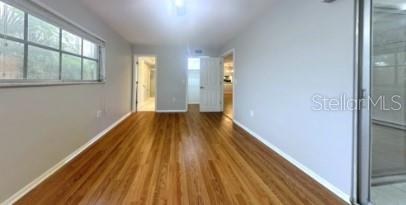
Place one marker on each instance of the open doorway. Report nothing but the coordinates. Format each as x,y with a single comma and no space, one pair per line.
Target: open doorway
228,84
193,91
146,82
204,84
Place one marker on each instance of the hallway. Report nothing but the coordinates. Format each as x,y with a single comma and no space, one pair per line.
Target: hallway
191,158
148,105
228,104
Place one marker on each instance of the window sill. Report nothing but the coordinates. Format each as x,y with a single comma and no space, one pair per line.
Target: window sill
46,84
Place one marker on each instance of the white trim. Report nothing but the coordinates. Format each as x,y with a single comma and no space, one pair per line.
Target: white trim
134,84
187,86
24,83
46,12
65,18
171,111
299,165
15,197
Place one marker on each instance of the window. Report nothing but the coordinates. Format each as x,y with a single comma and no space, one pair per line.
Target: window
43,64
71,43
194,63
42,32
11,21
32,49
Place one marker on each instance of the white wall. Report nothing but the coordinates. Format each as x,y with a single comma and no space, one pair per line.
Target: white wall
172,62
299,49
42,125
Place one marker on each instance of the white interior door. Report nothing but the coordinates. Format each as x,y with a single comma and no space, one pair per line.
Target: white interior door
210,85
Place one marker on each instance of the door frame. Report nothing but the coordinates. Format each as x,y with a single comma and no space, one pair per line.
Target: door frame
362,118
134,96
187,81
187,85
231,51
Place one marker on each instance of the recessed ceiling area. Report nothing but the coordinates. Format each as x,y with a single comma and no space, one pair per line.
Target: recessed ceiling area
206,23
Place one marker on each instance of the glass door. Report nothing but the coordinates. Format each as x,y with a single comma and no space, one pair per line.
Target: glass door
387,112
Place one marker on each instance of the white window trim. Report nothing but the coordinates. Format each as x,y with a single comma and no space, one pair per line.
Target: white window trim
44,12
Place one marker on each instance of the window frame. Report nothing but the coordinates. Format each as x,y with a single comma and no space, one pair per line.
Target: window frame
26,43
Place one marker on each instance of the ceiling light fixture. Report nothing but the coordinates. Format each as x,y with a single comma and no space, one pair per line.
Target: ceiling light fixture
180,7
179,3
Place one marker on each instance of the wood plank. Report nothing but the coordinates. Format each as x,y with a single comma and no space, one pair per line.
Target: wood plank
179,159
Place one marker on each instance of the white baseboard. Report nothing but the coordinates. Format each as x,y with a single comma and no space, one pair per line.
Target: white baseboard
299,165
14,198
171,111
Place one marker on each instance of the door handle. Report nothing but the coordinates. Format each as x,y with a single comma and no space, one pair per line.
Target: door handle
201,87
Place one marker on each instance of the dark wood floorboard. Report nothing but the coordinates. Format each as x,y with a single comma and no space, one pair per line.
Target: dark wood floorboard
179,159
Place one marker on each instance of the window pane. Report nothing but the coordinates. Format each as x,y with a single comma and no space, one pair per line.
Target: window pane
11,59
384,60
43,64
194,63
71,43
42,32
90,49
71,67
90,70
11,21
401,58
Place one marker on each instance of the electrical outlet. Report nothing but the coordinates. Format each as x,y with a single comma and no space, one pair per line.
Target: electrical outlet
173,99
252,113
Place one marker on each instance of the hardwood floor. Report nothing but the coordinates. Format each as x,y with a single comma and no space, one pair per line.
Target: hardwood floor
179,159
228,104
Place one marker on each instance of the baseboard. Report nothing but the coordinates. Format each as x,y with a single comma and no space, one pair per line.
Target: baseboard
171,111
60,164
299,165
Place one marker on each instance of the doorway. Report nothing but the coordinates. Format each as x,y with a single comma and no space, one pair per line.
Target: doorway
228,84
193,90
146,81
204,84
382,135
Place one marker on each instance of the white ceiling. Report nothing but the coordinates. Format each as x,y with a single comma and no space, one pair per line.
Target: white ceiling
207,23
